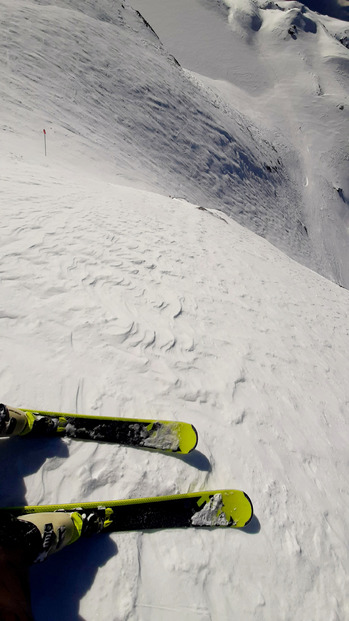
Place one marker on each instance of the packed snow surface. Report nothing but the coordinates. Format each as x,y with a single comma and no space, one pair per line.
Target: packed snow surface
155,263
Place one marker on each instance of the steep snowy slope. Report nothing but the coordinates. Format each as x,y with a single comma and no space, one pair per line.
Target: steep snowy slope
115,89
284,67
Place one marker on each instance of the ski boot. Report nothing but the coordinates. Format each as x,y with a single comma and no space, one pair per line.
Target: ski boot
39,535
15,422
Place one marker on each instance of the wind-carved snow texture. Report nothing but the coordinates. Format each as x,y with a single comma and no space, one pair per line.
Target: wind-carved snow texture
124,302
211,514
145,306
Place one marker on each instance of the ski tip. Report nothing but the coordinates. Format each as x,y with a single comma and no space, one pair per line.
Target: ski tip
225,508
237,507
188,439
195,438
251,505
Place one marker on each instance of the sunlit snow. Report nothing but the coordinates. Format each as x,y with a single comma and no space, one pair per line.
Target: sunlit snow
180,253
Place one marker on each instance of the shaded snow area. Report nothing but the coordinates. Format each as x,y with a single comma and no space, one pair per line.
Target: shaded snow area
155,264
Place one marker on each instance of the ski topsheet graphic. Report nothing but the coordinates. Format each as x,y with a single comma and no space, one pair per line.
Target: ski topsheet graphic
219,508
171,436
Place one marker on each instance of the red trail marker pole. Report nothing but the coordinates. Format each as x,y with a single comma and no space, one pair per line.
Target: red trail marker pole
44,130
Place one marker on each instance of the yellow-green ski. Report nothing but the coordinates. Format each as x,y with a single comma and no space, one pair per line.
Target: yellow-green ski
161,435
218,508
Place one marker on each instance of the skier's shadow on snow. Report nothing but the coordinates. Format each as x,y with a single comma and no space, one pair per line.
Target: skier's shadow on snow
58,585
20,457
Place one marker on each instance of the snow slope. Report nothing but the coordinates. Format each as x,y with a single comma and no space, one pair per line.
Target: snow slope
123,302
115,89
294,84
119,300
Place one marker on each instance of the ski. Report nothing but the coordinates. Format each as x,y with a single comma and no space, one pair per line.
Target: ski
219,508
161,435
